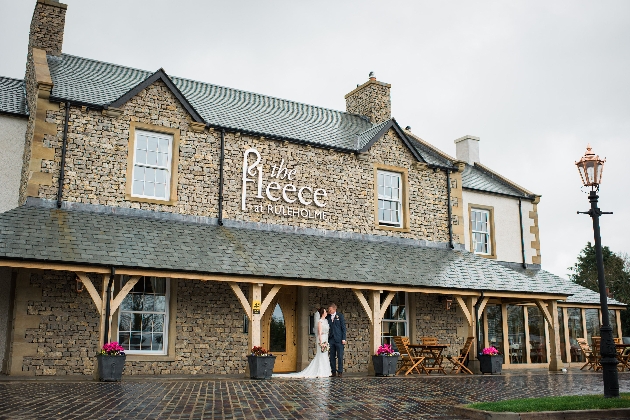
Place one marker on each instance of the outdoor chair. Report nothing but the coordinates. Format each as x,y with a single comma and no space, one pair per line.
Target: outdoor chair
429,341
617,341
624,359
458,361
591,359
596,351
410,361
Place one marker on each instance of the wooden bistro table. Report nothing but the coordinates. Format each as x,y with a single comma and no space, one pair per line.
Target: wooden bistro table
430,352
623,355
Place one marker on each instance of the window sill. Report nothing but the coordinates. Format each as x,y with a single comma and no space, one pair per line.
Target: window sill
489,256
150,358
393,228
150,200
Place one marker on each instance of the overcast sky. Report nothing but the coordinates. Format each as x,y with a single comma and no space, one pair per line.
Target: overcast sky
535,80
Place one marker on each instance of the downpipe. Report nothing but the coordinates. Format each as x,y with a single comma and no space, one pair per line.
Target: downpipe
62,166
108,304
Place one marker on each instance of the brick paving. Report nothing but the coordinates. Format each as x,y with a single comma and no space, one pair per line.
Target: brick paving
419,397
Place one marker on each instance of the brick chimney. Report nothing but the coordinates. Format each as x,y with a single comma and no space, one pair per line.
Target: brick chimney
49,19
372,100
467,149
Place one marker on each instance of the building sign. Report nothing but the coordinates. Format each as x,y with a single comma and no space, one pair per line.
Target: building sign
256,307
289,197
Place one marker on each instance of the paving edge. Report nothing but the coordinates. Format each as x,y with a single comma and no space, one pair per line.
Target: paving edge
474,414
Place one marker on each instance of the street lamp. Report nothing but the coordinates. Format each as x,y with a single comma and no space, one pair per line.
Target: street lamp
591,168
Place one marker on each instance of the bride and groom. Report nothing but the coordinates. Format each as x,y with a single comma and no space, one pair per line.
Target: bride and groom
330,342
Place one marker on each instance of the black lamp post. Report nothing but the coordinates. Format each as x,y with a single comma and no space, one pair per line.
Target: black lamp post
591,168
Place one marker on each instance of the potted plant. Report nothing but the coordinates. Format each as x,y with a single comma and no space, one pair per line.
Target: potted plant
385,360
111,362
490,361
260,363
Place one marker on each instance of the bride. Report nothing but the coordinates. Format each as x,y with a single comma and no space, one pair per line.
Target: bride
320,365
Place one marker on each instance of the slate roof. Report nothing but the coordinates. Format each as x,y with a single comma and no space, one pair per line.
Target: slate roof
37,233
579,294
12,96
476,178
97,83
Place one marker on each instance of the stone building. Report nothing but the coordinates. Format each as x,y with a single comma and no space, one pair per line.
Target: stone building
216,213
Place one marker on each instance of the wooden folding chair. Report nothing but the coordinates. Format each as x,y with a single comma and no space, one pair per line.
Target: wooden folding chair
458,361
591,360
596,351
410,361
429,341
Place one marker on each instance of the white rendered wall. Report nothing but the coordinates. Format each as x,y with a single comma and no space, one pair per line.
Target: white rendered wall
12,134
507,225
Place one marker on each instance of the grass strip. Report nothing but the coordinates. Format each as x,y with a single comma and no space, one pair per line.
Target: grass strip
569,402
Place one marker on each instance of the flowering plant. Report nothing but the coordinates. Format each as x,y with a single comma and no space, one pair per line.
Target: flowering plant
325,347
490,351
386,350
259,351
112,349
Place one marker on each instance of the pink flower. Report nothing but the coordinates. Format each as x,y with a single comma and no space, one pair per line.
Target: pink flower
113,349
385,350
490,351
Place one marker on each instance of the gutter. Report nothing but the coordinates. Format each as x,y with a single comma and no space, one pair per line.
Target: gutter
62,166
520,218
221,159
448,199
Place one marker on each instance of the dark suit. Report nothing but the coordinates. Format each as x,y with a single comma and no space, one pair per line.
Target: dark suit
336,334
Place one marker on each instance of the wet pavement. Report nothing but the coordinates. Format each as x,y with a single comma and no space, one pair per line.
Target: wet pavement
418,397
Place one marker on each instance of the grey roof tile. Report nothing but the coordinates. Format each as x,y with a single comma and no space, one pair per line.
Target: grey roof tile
253,252
12,96
475,178
98,83
579,294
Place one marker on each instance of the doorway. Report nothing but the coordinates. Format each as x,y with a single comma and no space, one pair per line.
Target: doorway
279,334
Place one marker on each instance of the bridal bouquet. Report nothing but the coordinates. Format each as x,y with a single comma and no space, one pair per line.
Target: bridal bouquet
325,347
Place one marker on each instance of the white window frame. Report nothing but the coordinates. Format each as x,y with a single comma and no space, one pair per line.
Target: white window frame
488,234
165,327
406,321
167,166
385,198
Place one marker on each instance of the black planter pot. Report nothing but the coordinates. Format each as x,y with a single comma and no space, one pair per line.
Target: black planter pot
110,368
490,364
384,365
260,367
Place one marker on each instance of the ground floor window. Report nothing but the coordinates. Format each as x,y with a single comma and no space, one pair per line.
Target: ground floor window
516,334
395,321
592,324
537,335
574,322
495,326
143,319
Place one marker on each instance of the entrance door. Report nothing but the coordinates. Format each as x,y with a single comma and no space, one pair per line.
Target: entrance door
279,334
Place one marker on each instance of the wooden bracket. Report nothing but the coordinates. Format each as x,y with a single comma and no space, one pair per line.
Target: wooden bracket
364,303
83,278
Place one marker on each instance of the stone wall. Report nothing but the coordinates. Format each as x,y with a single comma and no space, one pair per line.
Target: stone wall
96,171
68,332
210,337
434,320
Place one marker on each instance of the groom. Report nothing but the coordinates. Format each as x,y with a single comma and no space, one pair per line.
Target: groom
336,339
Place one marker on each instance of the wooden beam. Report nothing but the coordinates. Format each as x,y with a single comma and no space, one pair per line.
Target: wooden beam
267,301
83,277
364,303
385,304
184,275
467,314
241,298
545,311
482,306
124,292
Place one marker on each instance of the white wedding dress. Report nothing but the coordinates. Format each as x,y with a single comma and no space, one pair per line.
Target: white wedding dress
320,365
